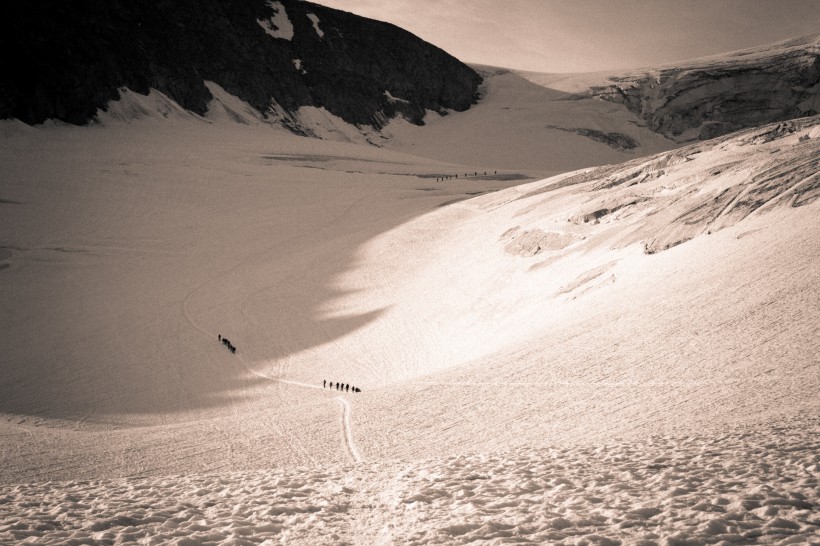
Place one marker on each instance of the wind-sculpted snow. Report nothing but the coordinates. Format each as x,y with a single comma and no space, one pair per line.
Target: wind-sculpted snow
699,189
745,486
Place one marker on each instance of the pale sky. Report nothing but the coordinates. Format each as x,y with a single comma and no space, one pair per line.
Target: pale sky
589,35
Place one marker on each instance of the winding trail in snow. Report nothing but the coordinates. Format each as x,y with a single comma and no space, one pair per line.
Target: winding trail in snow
347,431
354,452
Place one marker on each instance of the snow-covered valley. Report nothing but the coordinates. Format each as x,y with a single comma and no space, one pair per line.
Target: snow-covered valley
626,354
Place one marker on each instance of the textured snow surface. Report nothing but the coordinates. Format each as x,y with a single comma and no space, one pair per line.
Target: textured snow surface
744,486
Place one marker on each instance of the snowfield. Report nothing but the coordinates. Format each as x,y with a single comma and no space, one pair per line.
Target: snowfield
743,486
625,354
519,124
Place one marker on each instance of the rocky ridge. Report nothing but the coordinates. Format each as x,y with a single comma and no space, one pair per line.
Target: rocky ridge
66,61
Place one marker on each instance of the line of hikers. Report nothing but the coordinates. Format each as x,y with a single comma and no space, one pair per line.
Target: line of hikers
466,175
227,343
339,386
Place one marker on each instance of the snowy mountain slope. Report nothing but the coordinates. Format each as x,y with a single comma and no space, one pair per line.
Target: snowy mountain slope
224,107
707,97
519,125
500,259
515,126
319,81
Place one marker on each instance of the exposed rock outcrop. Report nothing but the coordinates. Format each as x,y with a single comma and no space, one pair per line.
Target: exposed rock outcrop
615,140
66,60
713,96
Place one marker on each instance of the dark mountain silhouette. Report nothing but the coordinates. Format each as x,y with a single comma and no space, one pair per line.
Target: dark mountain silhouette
65,60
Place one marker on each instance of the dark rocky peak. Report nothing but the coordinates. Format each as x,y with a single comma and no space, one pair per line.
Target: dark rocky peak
65,60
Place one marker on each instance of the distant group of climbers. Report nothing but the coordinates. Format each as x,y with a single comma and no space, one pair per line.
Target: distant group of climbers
325,383
466,175
227,343
339,386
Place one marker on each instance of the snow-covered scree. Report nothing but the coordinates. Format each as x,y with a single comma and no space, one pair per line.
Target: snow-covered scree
744,486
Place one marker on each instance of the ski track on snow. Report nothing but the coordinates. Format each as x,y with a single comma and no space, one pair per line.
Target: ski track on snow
354,452
18,427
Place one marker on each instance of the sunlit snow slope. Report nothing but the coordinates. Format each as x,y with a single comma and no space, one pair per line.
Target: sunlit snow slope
676,292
